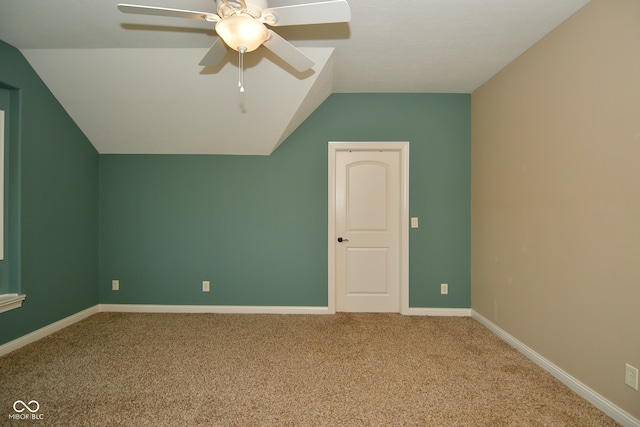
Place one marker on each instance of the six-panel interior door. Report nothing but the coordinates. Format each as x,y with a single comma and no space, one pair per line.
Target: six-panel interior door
368,223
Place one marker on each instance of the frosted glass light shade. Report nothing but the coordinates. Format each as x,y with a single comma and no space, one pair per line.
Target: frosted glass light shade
242,30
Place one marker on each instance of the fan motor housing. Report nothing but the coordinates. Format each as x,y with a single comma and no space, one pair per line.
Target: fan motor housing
254,8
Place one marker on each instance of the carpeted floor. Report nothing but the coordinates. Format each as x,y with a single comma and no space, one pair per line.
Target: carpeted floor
283,370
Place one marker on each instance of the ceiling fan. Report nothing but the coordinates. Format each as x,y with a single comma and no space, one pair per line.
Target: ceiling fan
242,25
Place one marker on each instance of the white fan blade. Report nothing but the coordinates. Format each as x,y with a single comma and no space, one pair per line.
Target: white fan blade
215,54
310,13
163,11
288,52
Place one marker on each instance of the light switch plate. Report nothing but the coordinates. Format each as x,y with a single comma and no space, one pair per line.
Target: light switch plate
414,222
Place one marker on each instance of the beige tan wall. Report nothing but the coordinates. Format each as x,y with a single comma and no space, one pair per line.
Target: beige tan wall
556,198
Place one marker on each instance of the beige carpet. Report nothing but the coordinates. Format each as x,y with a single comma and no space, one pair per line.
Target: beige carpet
284,370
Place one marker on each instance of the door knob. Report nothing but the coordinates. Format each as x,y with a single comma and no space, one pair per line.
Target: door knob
340,239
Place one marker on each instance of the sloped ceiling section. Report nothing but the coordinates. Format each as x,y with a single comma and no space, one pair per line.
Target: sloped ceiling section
133,84
133,101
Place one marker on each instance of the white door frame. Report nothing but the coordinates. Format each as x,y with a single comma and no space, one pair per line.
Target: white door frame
403,149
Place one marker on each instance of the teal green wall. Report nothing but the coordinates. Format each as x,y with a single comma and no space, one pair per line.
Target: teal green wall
58,206
256,226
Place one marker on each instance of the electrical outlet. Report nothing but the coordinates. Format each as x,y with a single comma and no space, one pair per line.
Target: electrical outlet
631,376
205,286
444,288
115,285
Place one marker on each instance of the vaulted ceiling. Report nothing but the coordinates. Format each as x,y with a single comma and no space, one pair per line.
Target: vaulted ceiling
133,84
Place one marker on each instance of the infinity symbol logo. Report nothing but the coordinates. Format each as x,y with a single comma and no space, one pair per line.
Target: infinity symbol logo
26,406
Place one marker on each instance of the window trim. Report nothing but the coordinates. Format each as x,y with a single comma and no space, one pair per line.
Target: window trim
10,301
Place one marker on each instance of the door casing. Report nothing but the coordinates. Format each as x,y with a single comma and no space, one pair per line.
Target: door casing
403,148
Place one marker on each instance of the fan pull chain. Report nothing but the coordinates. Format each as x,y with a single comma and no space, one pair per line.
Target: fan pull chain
241,51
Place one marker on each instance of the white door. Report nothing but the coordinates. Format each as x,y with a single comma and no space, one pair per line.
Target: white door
367,230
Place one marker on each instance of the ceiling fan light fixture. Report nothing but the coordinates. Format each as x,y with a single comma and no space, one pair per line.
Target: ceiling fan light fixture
242,30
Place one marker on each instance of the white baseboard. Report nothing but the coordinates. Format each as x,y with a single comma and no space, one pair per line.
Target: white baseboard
223,309
243,309
47,330
619,415
445,312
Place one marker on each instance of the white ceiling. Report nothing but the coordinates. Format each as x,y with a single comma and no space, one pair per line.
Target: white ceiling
133,84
